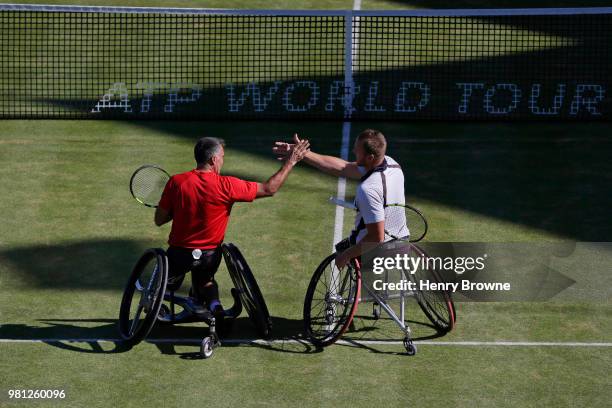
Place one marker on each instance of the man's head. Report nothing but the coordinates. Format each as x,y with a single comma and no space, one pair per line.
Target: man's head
209,153
370,148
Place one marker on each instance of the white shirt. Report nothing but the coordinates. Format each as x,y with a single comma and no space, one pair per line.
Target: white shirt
369,199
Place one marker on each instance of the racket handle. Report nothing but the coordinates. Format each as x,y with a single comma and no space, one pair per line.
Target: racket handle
343,203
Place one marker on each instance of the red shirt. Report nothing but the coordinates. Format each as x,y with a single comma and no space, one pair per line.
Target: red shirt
200,204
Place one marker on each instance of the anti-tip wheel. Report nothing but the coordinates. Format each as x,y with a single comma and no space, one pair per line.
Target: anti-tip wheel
207,347
410,347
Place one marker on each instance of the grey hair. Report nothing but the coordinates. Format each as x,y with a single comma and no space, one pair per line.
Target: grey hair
206,148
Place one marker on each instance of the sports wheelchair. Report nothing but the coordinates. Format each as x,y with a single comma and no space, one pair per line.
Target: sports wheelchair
146,302
333,295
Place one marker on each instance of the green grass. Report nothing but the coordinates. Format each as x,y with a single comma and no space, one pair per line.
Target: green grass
238,376
71,233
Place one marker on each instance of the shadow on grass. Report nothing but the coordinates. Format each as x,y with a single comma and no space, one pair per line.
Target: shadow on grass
79,335
69,334
545,176
551,177
72,334
95,264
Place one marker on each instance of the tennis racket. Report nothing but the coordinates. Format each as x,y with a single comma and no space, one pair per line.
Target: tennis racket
147,184
401,217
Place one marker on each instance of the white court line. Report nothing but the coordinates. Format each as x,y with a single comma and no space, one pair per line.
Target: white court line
500,343
346,137
341,193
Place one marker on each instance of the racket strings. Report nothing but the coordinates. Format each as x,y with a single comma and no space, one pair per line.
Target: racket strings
402,221
396,224
148,185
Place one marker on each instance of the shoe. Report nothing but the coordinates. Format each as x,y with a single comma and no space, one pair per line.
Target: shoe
196,307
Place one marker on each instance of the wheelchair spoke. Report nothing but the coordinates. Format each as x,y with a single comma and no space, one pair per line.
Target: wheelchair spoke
135,320
330,301
153,276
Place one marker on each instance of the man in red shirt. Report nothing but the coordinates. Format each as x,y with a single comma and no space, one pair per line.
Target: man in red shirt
198,203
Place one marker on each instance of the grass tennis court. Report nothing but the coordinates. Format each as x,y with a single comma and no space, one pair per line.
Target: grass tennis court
65,255
71,233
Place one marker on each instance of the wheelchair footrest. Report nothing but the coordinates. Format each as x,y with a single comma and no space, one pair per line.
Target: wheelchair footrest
234,311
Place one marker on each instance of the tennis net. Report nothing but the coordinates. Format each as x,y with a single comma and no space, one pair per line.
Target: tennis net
154,63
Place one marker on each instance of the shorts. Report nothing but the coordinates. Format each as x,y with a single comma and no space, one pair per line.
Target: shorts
180,261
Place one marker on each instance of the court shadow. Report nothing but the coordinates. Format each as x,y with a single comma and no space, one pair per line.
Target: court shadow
94,264
79,335
367,334
543,176
68,334
368,328
290,346
286,337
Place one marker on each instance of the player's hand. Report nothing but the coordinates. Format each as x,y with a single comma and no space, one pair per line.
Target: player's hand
342,259
283,150
299,150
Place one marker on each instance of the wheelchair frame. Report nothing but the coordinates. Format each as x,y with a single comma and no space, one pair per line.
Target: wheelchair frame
332,300
152,295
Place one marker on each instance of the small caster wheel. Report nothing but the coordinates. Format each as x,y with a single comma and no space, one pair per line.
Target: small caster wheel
207,347
410,347
376,311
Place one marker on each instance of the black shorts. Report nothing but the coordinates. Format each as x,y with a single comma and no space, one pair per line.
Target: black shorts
180,261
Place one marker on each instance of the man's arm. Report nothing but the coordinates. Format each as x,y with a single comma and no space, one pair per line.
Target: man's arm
375,234
274,183
334,166
162,216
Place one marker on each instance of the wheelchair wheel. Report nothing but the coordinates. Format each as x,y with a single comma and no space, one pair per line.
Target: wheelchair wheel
207,347
437,305
248,290
331,301
411,348
143,296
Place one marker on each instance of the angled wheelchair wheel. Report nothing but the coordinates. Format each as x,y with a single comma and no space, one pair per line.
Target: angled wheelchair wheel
437,305
248,289
143,296
331,301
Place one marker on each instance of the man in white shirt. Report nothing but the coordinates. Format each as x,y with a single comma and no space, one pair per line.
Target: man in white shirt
382,183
